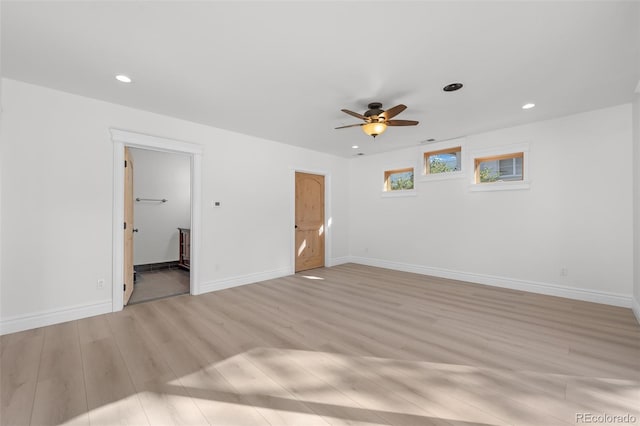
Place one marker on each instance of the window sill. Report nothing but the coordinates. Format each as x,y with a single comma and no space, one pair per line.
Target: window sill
499,186
442,176
399,193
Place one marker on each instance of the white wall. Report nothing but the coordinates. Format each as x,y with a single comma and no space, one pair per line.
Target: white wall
57,191
160,175
57,202
576,215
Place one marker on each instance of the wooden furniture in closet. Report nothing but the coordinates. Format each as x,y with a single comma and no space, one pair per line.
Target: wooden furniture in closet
185,248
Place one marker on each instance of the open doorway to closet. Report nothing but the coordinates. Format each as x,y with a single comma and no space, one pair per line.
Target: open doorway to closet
125,139
157,224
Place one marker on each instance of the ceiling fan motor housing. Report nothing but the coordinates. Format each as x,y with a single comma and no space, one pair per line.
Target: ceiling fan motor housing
375,108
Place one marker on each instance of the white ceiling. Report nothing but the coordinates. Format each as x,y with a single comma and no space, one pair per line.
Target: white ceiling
283,70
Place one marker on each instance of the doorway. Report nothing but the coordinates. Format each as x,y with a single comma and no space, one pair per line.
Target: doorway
309,221
157,224
124,139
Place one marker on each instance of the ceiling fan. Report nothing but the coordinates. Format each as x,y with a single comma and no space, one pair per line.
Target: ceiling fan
376,119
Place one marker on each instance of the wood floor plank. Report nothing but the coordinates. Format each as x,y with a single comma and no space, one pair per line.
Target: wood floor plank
60,394
348,345
163,398
141,357
314,388
94,328
545,357
111,396
422,416
210,333
271,400
214,396
373,379
19,361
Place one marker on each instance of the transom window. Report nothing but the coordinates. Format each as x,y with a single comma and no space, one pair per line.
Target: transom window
398,179
442,161
499,168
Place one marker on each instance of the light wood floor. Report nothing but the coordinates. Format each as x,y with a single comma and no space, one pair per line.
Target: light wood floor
346,345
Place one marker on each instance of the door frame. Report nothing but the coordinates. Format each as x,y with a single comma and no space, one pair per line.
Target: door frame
328,219
122,138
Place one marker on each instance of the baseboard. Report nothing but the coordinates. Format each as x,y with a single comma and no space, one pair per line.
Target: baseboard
636,309
159,266
339,261
595,296
225,283
53,316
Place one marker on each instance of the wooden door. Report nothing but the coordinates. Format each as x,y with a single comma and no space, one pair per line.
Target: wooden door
309,221
128,226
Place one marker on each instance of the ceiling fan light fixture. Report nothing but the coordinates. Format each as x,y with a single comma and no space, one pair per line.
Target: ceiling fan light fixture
374,129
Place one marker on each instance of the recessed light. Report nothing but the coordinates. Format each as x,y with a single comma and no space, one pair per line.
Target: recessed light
528,106
123,78
355,146
452,87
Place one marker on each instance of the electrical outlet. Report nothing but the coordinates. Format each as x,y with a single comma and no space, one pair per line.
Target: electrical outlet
564,271
100,284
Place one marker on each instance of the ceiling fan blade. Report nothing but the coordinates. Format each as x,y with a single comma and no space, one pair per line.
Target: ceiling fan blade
355,114
392,112
350,125
402,123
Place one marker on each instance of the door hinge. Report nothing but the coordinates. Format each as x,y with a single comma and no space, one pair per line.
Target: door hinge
125,163
124,287
125,225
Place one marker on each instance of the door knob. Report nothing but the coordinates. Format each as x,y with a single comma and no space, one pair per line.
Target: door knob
135,229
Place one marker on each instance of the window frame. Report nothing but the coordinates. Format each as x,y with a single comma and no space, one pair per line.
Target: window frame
443,147
428,154
479,160
389,173
500,153
386,185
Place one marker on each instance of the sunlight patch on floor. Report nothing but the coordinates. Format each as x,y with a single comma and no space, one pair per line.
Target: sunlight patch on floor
278,386
285,386
392,388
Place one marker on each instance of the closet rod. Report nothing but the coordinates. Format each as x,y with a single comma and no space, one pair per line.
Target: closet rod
164,200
